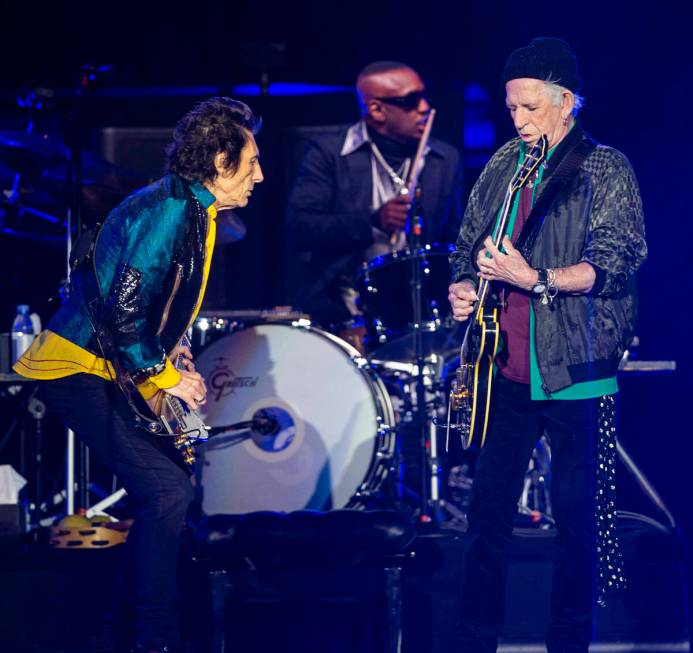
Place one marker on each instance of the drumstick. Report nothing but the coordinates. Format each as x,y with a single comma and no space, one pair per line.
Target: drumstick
414,170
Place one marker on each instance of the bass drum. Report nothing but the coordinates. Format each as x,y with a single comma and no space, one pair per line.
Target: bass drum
335,440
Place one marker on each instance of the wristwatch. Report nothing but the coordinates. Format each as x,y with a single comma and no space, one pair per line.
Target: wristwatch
542,281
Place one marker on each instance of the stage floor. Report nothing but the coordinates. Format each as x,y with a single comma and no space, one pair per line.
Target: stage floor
52,601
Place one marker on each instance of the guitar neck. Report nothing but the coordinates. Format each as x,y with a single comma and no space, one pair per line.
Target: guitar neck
485,285
529,166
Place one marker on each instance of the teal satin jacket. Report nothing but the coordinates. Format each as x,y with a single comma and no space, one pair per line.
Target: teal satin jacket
148,260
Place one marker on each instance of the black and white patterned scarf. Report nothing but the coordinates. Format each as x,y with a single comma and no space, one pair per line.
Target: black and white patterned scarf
610,575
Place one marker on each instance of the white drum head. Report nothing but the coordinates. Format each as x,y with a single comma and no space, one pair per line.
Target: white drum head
325,407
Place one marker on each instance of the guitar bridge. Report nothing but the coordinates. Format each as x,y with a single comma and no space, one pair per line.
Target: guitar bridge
459,393
459,412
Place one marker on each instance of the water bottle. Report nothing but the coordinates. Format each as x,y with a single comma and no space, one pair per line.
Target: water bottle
22,332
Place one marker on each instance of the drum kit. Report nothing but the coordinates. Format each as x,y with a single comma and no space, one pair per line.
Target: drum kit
355,428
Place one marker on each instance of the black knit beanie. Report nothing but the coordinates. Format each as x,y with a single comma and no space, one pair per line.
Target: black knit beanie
544,58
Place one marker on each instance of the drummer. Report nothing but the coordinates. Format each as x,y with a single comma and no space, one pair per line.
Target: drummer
346,205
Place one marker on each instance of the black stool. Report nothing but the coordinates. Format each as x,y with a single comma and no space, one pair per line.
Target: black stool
362,550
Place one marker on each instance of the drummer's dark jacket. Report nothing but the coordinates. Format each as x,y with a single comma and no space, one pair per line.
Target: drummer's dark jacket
596,217
329,217
150,257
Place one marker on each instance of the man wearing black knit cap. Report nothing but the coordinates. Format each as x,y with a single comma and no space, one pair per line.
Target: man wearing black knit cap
563,279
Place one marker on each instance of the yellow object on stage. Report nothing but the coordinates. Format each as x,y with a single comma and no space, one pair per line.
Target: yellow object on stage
78,532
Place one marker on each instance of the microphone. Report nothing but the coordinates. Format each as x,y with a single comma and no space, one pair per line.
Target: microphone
265,423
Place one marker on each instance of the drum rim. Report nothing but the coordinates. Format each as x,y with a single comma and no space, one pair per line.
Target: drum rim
383,260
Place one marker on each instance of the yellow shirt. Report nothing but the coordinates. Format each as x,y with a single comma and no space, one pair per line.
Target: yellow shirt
53,357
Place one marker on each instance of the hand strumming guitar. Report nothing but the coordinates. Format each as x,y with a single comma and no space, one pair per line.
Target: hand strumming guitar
462,297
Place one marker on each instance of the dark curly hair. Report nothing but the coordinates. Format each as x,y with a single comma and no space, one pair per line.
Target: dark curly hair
213,126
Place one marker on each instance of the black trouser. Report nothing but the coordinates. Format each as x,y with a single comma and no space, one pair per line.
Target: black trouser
516,425
159,488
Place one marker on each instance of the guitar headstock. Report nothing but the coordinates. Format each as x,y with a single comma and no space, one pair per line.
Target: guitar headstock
531,162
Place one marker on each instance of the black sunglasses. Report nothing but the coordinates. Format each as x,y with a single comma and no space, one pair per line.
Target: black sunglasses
407,102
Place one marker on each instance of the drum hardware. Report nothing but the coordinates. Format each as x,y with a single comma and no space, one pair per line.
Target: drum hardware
354,332
422,412
279,314
263,422
212,324
385,284
380,331
403,295
535,500
534,507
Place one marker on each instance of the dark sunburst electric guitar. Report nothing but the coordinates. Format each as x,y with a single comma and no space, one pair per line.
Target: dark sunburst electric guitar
470,394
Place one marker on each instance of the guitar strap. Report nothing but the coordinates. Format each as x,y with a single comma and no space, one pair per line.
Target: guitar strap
565,171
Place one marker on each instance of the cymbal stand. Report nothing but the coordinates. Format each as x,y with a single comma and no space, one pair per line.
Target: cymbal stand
33,101
430,497
74,138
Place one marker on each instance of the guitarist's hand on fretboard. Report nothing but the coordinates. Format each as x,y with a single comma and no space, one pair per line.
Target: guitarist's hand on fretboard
181,356
462,297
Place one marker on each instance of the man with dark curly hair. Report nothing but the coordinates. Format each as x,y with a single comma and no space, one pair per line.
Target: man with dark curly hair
151,260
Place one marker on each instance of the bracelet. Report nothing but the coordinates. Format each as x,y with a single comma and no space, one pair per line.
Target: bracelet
143,374
551,288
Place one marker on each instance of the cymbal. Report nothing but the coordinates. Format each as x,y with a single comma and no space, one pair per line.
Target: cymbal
44,161
30,154
230,227
443,341
104,184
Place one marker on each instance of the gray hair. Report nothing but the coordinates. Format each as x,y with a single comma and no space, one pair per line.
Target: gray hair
556,91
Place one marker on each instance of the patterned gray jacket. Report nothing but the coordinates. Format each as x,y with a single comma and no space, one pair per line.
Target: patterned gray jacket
595,217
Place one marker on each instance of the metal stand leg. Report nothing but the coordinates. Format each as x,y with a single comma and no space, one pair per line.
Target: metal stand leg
219,585
102,505
83,479
644,484
393,609
70,473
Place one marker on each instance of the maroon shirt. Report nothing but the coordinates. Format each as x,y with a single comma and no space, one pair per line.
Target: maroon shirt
513,361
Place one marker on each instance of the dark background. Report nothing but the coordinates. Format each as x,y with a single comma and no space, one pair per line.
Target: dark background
635,60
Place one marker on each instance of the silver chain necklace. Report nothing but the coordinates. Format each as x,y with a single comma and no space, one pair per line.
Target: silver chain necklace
398,178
